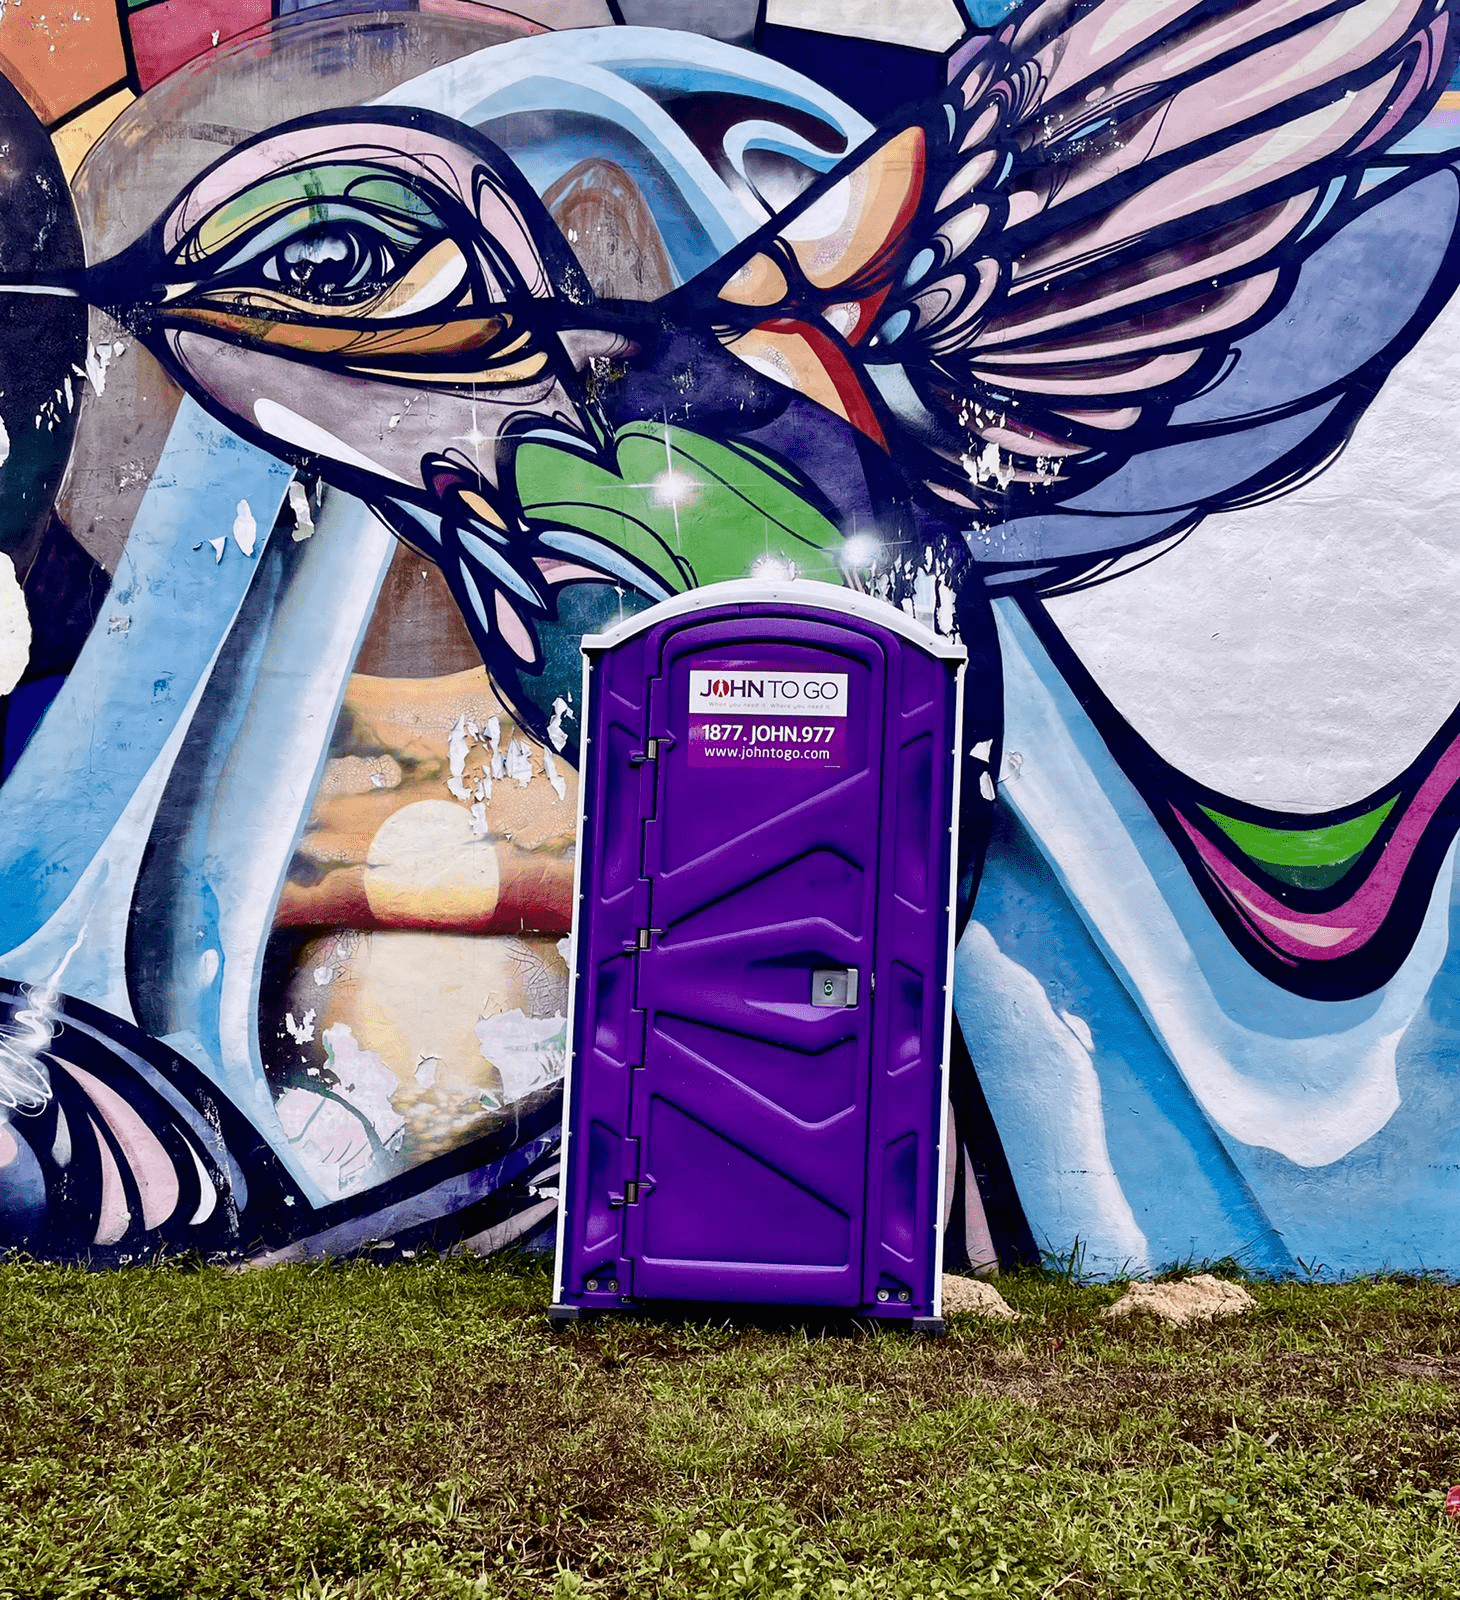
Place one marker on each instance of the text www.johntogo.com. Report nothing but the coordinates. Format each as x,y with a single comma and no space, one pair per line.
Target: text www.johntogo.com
770,752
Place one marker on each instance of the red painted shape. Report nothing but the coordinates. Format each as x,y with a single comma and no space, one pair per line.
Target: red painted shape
168,36
839,370
1452,1502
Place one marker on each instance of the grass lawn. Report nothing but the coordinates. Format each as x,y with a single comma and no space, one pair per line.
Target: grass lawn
416,1429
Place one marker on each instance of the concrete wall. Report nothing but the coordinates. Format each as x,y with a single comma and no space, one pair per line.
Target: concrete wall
353,366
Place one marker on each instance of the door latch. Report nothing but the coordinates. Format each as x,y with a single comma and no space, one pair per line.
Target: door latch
834,986
651,750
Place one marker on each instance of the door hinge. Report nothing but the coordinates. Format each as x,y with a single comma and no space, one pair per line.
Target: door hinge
634,1186
645,935
636,914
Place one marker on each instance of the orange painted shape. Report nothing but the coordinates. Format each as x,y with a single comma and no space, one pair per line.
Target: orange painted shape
61,55
804,359
760,282
455,337
863,217
856,408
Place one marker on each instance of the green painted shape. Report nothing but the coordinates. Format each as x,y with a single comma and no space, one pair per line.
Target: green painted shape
1308,877
1330,846
338,191
737,507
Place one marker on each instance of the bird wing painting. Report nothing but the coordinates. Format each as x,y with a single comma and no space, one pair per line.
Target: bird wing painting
479,336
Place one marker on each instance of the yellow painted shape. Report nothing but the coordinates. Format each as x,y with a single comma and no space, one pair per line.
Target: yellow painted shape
860,217
483,508
438,272
74,138
760,282
488,377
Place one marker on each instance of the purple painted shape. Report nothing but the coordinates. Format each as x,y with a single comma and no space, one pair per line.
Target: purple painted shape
728,1139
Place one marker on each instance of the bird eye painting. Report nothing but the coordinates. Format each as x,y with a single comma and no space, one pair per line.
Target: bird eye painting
355,362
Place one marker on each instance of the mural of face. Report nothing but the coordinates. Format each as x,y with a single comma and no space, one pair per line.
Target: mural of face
585,319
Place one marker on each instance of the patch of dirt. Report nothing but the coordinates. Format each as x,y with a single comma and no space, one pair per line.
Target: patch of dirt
1430,1371
973,1294
1197,1299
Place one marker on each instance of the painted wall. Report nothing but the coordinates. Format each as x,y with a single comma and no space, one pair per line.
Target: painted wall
353,365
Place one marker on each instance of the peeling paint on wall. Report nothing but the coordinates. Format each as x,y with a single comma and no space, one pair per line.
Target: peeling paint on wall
353,367
14,628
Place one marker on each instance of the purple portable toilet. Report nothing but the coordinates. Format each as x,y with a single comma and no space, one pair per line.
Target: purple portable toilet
762,977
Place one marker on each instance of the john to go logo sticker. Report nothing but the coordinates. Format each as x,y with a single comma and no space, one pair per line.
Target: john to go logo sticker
747,716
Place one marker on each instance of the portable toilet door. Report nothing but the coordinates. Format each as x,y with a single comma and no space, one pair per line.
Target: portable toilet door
762,959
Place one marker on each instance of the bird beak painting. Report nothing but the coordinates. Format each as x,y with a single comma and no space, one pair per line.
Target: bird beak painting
1009,295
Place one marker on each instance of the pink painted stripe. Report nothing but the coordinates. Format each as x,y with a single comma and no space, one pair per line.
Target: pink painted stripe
1431,44
1327,935
152,1169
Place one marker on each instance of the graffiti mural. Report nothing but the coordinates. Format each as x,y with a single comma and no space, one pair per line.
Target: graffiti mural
355,362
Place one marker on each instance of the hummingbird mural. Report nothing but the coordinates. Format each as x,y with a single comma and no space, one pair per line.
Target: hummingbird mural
1029,331
999,304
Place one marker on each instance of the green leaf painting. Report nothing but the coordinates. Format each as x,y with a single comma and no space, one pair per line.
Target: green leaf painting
688,509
